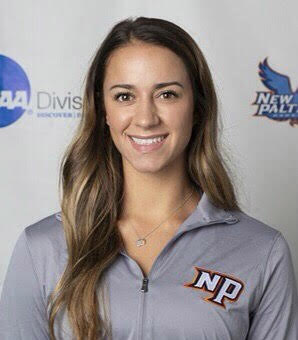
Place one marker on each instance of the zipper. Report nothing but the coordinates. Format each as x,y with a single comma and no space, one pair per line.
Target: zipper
145,280
144,289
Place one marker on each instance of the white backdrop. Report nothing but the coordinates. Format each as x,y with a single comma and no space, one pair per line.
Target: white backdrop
53,42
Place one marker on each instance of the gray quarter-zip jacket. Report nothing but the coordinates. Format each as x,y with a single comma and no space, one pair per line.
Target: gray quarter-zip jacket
224,275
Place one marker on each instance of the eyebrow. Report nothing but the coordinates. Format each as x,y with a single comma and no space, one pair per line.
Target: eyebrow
157,86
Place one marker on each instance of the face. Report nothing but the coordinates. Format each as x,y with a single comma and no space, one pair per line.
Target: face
147,92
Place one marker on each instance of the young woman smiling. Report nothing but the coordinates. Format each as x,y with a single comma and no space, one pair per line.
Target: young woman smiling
150,242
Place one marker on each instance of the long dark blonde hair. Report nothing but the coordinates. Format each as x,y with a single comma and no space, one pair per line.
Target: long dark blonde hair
91,175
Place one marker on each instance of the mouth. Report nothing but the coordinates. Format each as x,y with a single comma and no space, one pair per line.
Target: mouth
147,140
148,144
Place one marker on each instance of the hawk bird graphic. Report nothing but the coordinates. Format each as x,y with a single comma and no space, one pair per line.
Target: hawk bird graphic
278,84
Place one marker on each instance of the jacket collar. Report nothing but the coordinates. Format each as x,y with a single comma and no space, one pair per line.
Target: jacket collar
205,213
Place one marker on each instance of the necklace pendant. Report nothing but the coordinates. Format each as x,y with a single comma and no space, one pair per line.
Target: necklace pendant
141,242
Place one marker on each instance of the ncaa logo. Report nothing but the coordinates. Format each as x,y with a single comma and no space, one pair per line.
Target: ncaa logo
15,91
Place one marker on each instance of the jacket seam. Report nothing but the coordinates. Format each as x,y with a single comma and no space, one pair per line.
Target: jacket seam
263,271
34,268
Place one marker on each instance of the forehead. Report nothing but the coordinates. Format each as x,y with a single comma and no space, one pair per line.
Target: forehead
144,62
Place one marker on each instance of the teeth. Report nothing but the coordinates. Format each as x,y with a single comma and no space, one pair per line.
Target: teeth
147,141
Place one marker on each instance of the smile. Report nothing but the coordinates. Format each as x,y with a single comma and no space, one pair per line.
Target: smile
147,141
147,144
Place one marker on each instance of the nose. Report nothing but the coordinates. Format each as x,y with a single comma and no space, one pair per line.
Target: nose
146,115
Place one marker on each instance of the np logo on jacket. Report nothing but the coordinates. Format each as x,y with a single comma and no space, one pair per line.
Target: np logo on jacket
221,285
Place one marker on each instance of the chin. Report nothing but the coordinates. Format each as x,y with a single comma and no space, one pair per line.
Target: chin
146,167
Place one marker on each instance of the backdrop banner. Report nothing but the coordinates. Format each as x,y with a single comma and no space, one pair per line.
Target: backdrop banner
45,51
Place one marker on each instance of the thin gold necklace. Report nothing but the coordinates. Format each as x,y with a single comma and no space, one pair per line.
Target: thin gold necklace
142,240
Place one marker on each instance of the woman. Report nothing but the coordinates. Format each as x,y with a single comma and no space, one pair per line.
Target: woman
150,242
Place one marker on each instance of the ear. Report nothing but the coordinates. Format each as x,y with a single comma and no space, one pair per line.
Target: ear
107,120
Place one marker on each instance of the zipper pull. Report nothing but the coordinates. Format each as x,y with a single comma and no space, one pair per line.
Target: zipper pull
144,288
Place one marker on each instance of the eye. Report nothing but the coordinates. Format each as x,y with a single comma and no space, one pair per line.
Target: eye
128,94
120,94
171,93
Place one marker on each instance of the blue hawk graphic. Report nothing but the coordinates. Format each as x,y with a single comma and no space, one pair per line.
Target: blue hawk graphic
281,103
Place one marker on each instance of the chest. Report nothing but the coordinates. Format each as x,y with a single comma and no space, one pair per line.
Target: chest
146,254
191,292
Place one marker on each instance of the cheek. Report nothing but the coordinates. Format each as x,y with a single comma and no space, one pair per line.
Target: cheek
187,121
114,116
181,120
116,120
183,128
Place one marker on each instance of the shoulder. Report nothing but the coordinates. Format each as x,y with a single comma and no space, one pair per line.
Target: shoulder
47,248
252,238
251,228
261,251
46,232
46,236
259,242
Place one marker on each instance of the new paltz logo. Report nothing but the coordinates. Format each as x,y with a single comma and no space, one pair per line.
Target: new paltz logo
220,286
16,97
280,102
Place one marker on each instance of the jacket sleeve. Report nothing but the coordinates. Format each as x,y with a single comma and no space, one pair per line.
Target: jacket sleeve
22,308
276,316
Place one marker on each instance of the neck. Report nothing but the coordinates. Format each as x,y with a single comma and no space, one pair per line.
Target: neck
150,198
